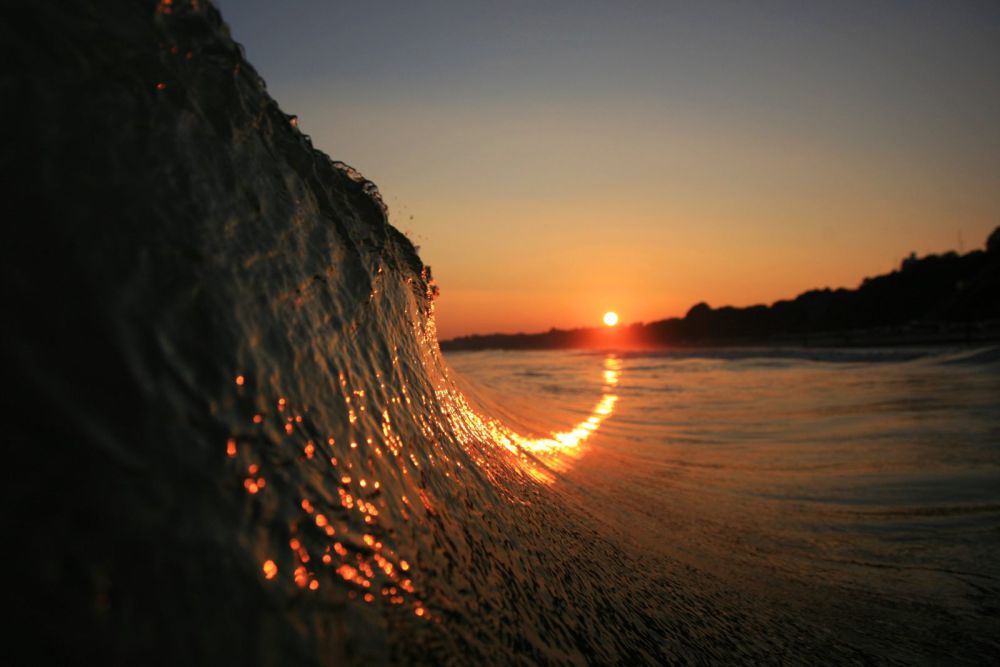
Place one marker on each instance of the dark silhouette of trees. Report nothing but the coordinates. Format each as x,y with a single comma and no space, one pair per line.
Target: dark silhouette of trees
928,299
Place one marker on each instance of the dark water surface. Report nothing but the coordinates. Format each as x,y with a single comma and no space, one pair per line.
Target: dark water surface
858,490
231,439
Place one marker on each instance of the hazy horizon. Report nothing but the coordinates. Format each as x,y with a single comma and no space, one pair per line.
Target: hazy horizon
557,161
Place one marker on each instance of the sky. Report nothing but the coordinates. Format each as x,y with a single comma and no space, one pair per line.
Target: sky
555,160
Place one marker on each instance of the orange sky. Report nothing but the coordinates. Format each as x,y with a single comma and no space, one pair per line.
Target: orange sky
556,162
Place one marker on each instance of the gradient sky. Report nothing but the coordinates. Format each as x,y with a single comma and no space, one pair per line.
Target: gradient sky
554,160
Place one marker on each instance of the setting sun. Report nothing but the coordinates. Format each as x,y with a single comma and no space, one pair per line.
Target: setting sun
611,318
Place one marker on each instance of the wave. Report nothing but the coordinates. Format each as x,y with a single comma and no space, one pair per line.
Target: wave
976,356
234,433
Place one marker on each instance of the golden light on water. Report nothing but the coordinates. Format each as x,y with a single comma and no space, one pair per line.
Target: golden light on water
573,438
325,542
610,318
470,426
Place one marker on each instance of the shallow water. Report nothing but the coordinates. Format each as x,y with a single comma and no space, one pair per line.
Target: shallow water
860,489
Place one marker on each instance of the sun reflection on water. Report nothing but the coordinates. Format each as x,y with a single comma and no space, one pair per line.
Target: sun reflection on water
574,438
473,427
342,532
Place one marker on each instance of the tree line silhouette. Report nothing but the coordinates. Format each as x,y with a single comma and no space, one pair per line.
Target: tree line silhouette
949,297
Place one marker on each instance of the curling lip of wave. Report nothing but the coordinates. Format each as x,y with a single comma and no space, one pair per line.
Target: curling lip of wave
242,363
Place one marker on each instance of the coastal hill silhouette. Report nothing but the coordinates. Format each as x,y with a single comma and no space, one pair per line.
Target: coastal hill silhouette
946,298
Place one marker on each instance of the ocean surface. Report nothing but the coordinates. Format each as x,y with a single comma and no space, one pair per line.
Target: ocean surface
849,497
231,438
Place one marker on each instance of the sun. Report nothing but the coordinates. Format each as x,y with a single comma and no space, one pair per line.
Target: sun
611,318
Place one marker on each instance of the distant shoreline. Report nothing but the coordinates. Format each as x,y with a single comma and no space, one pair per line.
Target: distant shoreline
985,334
947,299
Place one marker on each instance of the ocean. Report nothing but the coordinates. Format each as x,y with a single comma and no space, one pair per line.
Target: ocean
849,497
231,436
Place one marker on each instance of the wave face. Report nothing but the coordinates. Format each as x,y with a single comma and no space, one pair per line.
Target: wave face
231,435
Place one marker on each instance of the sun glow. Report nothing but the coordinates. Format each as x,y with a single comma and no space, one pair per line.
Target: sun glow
611,318
561,442
473,428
